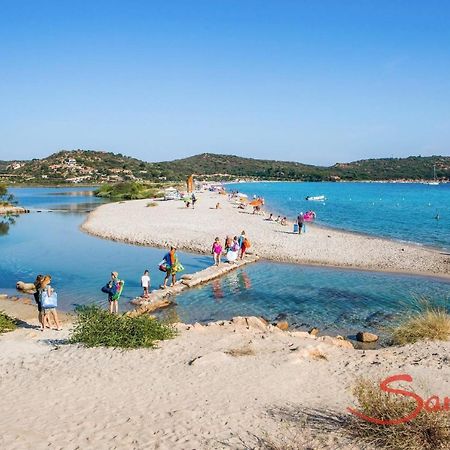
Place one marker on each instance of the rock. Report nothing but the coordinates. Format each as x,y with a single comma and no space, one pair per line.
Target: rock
282,325
187,276
314,331
250,322
27,288
336,342
364,336
301,334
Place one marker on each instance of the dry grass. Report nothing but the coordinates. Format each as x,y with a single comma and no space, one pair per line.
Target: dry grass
241,351
318,355
152,204
427,322
428,431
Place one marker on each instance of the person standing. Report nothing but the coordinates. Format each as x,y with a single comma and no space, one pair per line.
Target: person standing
172,266
194,200
300,220
114,290
49,303
145,283
38,297
216,251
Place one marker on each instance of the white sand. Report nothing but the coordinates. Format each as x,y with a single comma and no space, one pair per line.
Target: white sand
194,230
190,393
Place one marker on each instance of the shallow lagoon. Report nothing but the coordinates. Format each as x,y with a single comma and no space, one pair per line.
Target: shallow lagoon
335,300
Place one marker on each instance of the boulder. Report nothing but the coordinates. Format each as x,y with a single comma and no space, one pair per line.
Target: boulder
282,325
314,331
27,288
364,336
342,343
250,322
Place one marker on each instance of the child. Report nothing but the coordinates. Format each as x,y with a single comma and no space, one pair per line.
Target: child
145,283
216,251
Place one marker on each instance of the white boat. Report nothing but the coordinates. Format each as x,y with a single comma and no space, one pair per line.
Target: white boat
317,198
434,182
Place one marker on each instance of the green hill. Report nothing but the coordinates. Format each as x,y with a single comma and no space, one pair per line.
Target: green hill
95,167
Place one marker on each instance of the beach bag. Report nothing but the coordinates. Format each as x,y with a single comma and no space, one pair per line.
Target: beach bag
109,288
246,243
49,301
162,266
295,227
232,256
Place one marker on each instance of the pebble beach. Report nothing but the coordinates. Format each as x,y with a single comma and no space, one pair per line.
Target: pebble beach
193,230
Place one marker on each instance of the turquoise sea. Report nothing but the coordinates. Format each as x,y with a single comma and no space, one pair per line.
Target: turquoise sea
405,211
341,300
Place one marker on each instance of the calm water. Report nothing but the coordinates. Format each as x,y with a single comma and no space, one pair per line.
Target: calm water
335,300
50,242
401,211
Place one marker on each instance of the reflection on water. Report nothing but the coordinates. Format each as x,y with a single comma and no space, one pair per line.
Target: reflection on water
336,301
89,193
6,222
50,242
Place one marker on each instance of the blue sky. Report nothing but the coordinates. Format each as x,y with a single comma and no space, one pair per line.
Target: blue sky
310,81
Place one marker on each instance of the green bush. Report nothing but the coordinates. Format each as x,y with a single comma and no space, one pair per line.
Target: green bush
6,323
96,327
127,190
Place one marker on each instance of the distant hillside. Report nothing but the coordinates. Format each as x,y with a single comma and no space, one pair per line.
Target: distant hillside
94,167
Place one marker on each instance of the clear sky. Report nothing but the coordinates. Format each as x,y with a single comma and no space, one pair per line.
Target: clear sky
311,81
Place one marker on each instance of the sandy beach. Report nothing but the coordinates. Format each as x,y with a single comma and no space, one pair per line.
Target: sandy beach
194,230
212,387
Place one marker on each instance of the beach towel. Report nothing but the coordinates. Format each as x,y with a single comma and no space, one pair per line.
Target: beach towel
119,289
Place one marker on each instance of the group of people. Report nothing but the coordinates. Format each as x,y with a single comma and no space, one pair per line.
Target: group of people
190,200
299,224
47,302
170,265
279,219
233,248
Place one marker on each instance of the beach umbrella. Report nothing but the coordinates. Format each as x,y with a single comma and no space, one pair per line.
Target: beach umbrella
255,203
243,195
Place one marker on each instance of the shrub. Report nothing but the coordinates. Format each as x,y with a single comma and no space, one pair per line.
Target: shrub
428,431
151,204
6,323
128,190
427,322
95,327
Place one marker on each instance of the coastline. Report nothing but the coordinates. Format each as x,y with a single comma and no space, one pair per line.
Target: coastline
193,230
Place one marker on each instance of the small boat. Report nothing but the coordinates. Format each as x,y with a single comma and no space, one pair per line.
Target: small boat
317,198
434,182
